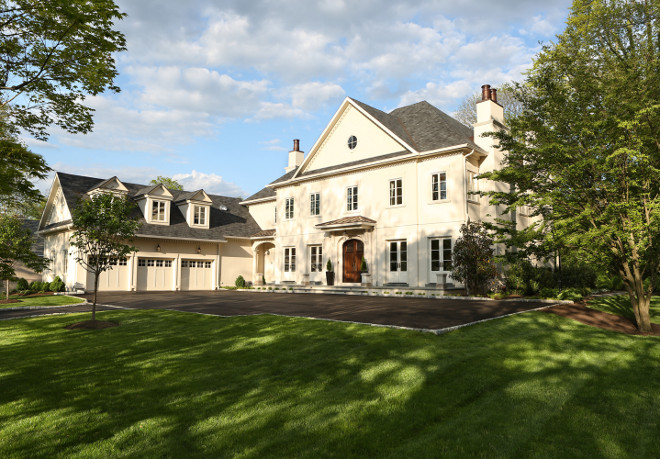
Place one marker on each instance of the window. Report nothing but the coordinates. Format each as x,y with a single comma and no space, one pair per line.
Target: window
123,262
316,258
158,211
315,204
199,217
159,263
142,262
65,261
112,262
441,254
439,186
207,264
472,185
168,263
184,263
352,198
352,142
396,192
288,209
275,214
289,259
150,262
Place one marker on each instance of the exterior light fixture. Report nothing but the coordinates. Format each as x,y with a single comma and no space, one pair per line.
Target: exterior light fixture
199,250
158,248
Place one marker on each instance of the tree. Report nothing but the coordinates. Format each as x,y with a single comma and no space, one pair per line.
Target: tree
472,260
102,227
16,246
506,96
585,149
55,53
167,182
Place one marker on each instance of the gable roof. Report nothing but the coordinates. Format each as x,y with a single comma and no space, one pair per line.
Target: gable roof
236,221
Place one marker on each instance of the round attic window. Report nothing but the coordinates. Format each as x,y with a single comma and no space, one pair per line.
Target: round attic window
352,142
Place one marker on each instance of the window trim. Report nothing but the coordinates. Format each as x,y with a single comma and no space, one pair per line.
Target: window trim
439,191
315,258
165,214
205,213
471,185
289,259
289,208
398,187
352,203
315,204
443,264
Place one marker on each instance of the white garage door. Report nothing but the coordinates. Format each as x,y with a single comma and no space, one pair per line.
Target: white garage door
116,278
155,274
196,275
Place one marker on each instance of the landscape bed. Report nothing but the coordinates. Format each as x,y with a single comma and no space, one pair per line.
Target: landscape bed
171,384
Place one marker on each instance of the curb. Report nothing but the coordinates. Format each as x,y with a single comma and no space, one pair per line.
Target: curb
31,308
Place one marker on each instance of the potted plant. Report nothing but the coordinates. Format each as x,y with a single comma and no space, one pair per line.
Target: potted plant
366,277
329,274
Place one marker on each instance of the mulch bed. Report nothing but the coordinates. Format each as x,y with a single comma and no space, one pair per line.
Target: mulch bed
9,301
92,325
599,319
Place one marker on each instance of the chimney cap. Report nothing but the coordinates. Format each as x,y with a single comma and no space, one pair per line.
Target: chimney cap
485,92
296,144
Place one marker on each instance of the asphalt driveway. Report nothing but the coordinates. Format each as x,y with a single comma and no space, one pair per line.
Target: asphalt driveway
404,312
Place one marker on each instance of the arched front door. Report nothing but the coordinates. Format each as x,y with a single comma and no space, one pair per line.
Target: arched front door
353,252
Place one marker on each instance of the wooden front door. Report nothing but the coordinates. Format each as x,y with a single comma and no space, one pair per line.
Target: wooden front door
353,252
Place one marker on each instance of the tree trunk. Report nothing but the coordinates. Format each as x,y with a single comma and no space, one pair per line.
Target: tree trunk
7,287
641,304
96,288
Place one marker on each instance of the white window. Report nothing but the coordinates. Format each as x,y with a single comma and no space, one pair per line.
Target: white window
168,263
289,259
65,261
315,204
159,263
439,186
288,209
207,264
123,262
316,258
199,217
142,262
396,192
352,198
472,186
441,254
158,211
150,262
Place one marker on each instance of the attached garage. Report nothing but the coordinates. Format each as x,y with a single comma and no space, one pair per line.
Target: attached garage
196,275
155,274
116,278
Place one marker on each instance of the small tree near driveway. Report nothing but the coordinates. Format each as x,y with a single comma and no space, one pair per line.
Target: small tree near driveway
16,246
473,263
103,229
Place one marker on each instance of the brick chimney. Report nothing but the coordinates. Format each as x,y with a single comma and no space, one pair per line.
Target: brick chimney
295,156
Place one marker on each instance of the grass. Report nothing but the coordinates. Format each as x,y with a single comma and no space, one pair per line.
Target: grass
620,305
49,300
171,384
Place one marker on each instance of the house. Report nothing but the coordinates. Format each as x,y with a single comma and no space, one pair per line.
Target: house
392,188
188,240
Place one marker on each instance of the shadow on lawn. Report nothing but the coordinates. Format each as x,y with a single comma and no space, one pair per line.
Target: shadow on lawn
168,384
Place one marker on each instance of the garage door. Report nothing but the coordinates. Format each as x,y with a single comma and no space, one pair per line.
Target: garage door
196,275
155,274
116,278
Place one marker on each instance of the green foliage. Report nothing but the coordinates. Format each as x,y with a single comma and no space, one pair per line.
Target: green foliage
240,282
57,285
506,96
103,228
22,284
16,246
584,150
167,182
57,53
363,265
328,266
571,294
472,260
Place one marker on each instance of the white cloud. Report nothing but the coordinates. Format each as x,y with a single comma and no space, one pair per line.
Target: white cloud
211,183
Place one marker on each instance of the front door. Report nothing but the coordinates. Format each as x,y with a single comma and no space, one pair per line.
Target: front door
398,266
353,253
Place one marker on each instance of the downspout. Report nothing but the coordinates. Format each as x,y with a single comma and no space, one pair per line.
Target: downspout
465,187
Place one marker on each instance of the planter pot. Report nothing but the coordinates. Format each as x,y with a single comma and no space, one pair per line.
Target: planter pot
366,279
330,277
306,280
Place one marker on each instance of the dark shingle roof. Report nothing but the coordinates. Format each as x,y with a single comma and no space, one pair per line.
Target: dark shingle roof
236,221
268,192
33,225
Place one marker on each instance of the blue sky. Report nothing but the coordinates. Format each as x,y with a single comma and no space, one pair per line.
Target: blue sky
214,92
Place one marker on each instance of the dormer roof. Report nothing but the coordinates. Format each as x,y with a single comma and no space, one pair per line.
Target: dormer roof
111,184
157,191
199,196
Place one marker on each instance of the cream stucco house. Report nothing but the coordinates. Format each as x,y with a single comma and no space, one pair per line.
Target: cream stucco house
392,188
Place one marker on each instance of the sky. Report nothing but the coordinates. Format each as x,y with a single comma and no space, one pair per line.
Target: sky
215,91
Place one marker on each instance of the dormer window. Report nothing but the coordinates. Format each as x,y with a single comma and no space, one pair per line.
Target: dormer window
158,211
199,217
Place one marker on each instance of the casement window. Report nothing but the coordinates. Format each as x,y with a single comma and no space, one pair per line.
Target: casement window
199,215
158,211
472,186
315,204
441,254
439,186
289,259
316,258
288,209
352,198
396,192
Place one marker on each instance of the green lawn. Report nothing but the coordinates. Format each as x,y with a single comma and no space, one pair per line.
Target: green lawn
171,384
50,300
620,305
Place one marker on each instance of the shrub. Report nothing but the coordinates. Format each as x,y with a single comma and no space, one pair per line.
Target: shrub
57,285
548,292
578,274
22,284
240,282
33,286
328,266
570,294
